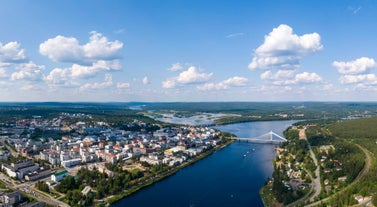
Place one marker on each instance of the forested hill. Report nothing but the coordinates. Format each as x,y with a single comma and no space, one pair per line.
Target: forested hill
358,128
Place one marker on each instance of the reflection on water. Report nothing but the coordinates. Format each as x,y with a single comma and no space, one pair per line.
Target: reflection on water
229,177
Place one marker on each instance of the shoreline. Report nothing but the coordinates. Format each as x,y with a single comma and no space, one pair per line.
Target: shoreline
144,184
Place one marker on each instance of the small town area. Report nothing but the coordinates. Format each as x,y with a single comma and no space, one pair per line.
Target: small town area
77,160
313,167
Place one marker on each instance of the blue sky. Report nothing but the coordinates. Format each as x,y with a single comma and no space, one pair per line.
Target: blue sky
190,50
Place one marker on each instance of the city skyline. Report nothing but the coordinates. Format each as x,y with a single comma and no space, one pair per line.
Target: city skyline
188,51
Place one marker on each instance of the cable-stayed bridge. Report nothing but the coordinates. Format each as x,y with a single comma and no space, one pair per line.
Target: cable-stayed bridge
270,137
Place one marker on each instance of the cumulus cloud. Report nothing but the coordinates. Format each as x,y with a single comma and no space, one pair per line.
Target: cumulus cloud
68,49
280,74
59,76
357,72
307,77
101,85
357,66
189,76
176,67
230,82
11,52
361,78
290,77
145,80
192,75
283,49
28,71
79,71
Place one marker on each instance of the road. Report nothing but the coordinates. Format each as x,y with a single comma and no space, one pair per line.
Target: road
362,174
317,179
305,197
27,188
9,148
316,187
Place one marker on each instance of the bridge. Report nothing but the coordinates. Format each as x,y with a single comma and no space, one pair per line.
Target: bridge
270,137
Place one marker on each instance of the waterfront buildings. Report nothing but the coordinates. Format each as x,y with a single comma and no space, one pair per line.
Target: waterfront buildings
84,142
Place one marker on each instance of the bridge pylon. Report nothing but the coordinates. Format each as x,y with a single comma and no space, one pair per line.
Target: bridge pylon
268,137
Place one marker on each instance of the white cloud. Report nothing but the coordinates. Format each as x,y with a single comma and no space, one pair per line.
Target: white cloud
145,80
290,77
28,71
59,76
357,72
31,87
306,77
272,89
120,31
233,81
176,67
354,67
79,71
68,49
100,47
267,75
92,86
233,35
62,49
123,85
283,49
354,10
280,74
192,75
169,84
189,76
3,73
361,78
327,87
11,52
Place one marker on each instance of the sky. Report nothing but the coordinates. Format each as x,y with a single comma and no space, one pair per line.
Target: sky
188,50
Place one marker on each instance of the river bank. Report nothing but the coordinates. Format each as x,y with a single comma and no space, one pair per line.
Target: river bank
232,176
147,181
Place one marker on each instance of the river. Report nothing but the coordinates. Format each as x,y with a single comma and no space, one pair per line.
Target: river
229,177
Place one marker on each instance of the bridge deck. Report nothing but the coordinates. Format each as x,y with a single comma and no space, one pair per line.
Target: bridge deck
268,137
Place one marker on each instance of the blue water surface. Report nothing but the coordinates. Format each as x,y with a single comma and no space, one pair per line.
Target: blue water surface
229,177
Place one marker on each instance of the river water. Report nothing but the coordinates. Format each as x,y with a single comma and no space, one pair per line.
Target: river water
229,177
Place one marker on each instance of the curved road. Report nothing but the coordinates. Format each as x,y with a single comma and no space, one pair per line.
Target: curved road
317,179
364,171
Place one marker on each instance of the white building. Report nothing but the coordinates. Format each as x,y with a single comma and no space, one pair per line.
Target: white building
71,162
57,177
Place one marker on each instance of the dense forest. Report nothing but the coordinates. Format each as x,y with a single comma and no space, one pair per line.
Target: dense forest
246,111
347,137
364,133
359,128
